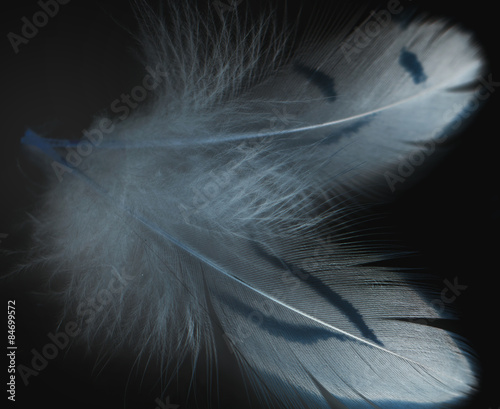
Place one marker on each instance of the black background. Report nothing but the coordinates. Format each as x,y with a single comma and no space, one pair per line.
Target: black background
83,59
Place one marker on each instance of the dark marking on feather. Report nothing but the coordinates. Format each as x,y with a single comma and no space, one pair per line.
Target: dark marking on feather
445,324
323,81
324,291
409,61
347,130
303,334
444,138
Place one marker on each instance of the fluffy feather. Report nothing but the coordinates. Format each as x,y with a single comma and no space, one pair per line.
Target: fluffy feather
215,216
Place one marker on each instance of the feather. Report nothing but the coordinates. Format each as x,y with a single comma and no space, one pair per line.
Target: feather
226,206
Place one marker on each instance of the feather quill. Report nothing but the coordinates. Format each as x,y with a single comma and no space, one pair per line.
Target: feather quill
217,218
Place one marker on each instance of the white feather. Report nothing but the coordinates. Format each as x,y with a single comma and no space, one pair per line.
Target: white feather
217,219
